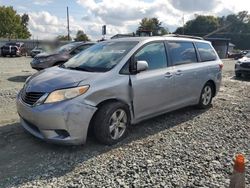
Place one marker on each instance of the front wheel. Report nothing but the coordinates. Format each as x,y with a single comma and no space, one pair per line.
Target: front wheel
111,123
206,96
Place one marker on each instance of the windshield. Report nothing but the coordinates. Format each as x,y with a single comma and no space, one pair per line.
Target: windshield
101,57
66,48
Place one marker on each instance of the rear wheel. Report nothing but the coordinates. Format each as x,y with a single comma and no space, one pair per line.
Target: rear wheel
206,96
111,123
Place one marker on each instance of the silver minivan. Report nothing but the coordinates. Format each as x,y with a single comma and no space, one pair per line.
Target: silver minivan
116,83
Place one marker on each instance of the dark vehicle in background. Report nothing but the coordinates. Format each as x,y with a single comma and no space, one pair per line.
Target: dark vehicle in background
242,66
235,56
59,56
37,50
13,49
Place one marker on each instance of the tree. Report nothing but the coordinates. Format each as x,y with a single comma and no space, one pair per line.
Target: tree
25,19
234,26
200,26
12,25
239,30
63,38
152,25
81,36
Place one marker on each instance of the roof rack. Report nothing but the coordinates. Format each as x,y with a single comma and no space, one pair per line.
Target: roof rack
184,36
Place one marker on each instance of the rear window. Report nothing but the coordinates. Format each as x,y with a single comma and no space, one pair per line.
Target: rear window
182,52
206,52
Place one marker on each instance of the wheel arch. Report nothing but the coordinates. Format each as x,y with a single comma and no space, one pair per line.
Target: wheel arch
102,103
213,85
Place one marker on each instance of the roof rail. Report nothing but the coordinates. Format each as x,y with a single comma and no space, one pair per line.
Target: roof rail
184,36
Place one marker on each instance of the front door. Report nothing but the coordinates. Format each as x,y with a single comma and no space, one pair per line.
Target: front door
152,89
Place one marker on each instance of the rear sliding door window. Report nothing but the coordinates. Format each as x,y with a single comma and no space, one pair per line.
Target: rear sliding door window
182,52
206,51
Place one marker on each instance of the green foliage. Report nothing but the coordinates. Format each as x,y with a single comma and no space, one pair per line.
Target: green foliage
200,26
152,25
12,25
63,38
238,29
81,36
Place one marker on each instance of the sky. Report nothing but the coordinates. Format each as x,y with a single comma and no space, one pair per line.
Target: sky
48,18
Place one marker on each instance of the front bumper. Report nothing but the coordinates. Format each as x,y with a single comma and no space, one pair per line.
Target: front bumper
36,64
242,70
65,122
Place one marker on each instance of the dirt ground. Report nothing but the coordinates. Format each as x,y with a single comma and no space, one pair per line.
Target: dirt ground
24,159
13,73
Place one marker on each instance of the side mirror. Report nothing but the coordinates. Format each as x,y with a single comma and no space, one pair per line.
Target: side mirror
141,66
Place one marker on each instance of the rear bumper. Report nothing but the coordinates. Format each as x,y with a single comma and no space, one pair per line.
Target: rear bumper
217,81
9,53
64,122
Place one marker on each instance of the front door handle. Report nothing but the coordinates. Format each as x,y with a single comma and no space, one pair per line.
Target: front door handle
178,72
168,75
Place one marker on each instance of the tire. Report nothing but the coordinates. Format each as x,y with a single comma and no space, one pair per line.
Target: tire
110,126
206,96
237,75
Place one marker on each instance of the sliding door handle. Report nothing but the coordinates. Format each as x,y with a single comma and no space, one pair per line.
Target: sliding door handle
178,72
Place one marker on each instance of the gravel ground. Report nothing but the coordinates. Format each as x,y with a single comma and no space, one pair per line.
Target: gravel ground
185,148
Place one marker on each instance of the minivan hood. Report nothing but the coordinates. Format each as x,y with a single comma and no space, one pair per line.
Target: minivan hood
55,78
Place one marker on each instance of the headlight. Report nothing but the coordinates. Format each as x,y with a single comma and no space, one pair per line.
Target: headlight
63,94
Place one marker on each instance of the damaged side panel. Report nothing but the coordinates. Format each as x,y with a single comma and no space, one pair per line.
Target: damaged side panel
119,88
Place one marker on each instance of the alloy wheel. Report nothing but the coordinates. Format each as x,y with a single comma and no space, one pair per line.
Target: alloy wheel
118,124
206,95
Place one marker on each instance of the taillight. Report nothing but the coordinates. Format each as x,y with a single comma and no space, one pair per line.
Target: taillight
221,65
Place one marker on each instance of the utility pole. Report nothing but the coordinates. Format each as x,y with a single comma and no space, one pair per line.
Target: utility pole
68,23
183,24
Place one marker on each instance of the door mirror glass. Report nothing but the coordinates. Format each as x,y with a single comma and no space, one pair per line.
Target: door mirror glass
141,66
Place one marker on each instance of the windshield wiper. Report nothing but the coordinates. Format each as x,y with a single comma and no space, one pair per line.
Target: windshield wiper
80,69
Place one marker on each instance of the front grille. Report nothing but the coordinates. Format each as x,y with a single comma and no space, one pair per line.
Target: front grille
245,65
31,97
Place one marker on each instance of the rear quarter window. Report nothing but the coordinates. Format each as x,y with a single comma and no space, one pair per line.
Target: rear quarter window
206,52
